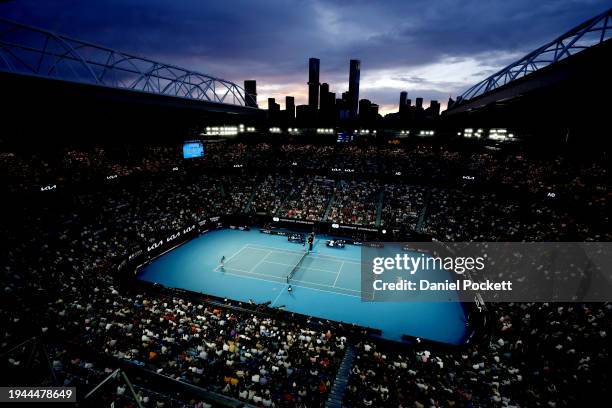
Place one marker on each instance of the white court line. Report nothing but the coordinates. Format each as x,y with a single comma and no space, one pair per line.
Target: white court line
231,257
292,280
263,260
325,286
301,267
255,273
267,248
336,259
260,261
338,275
311,255
297,286
280,292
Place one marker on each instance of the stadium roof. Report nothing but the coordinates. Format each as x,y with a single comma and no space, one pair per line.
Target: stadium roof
591,32
37,52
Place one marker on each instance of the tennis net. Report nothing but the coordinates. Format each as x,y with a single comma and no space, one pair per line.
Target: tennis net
296,267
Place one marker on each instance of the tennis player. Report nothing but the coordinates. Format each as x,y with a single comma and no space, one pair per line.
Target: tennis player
222,263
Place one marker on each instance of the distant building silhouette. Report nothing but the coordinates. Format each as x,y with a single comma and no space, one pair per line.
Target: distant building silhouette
403,108
290,108
364,107
324,92
419,103
354,74
250,88
434,109
343,106
328,103
302,114
313,83
273,109
374,111
368,111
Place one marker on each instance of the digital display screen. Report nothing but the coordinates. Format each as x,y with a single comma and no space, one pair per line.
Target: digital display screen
344,138
193,149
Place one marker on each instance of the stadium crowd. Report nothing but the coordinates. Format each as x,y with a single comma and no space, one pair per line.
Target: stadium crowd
552,355
63,247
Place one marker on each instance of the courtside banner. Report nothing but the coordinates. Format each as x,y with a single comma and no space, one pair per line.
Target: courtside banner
487,271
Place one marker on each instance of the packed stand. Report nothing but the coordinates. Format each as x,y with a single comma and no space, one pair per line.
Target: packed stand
355,203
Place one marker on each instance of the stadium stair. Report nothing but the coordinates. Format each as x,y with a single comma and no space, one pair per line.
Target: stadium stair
337,392
247,207
329,206
379,207
421,221
290,194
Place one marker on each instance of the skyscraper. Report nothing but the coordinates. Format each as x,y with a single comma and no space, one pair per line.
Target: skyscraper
250,88
403,97
364,108
402,103
273,109
313,83
354,73
374,111
434,108
302,114
324,90
290,107
419,103
327,100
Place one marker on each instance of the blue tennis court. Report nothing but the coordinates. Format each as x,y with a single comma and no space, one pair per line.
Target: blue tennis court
326,283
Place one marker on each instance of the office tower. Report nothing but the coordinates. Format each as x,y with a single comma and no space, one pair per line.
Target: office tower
324,88
250,88
273,109
355,68
346,97
402,102
374,111
328,102
323,94
290,107
313,83
450,103
434,108
364,108
331,102
408,103
302,114
419,103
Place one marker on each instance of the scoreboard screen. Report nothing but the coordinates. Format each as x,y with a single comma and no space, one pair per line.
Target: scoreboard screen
345,137
193,149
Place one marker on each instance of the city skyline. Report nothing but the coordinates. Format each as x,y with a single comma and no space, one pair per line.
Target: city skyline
429,50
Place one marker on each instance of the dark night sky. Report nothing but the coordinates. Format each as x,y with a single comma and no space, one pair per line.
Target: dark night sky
430,48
